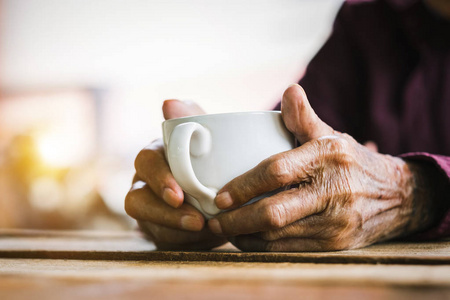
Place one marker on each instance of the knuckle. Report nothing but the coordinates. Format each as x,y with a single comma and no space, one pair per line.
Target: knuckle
339,152
276,234
274,216
278,170
335,144
132,200
141,159
336,244
350,223
355,222
149,165
339,145
130,203
270,235
342,240
149,155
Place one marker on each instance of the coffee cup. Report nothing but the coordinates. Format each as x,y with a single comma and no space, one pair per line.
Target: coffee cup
205,152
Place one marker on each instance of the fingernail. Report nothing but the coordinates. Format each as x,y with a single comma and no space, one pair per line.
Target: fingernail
169,196
214,226
223,200
191,223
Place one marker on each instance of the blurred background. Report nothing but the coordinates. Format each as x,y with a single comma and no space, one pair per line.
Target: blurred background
82,84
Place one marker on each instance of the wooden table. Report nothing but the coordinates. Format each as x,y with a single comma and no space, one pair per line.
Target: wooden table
122,265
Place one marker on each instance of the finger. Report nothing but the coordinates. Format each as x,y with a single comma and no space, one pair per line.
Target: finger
177,109
300,118
142,204
172,239
279,170
270,213
312,226
254,243
151,167
249,243
319,226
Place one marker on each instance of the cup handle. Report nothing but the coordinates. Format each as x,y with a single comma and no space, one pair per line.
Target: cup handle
191,139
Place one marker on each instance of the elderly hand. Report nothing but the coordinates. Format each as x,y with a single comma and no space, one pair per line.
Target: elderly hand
345,195
156,201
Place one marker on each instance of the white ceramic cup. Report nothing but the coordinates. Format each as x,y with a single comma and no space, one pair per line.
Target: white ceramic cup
207,151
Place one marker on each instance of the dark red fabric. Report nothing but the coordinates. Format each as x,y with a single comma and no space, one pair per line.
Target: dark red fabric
384,76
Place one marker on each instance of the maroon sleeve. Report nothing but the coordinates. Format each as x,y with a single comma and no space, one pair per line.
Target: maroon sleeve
336,82
334,79
442,163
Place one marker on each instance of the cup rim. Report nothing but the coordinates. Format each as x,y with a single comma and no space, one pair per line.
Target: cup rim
256,112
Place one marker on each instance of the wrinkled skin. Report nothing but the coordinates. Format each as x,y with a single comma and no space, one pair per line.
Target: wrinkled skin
345,197
342,194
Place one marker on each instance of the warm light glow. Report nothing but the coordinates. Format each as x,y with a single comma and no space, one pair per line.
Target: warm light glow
55,152
62,124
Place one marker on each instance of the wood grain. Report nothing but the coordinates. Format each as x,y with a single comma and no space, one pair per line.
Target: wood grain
75,279
131,246
122,265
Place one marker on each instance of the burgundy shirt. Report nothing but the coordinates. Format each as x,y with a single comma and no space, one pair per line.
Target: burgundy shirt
384,75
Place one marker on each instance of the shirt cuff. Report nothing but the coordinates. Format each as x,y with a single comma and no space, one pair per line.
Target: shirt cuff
442,163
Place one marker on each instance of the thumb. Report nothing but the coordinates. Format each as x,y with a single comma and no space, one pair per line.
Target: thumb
176,109
300,118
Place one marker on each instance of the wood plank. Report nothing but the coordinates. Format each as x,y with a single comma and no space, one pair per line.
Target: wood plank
205,271
130,246
38,288
75,279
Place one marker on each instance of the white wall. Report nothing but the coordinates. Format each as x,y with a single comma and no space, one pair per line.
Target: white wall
228,55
